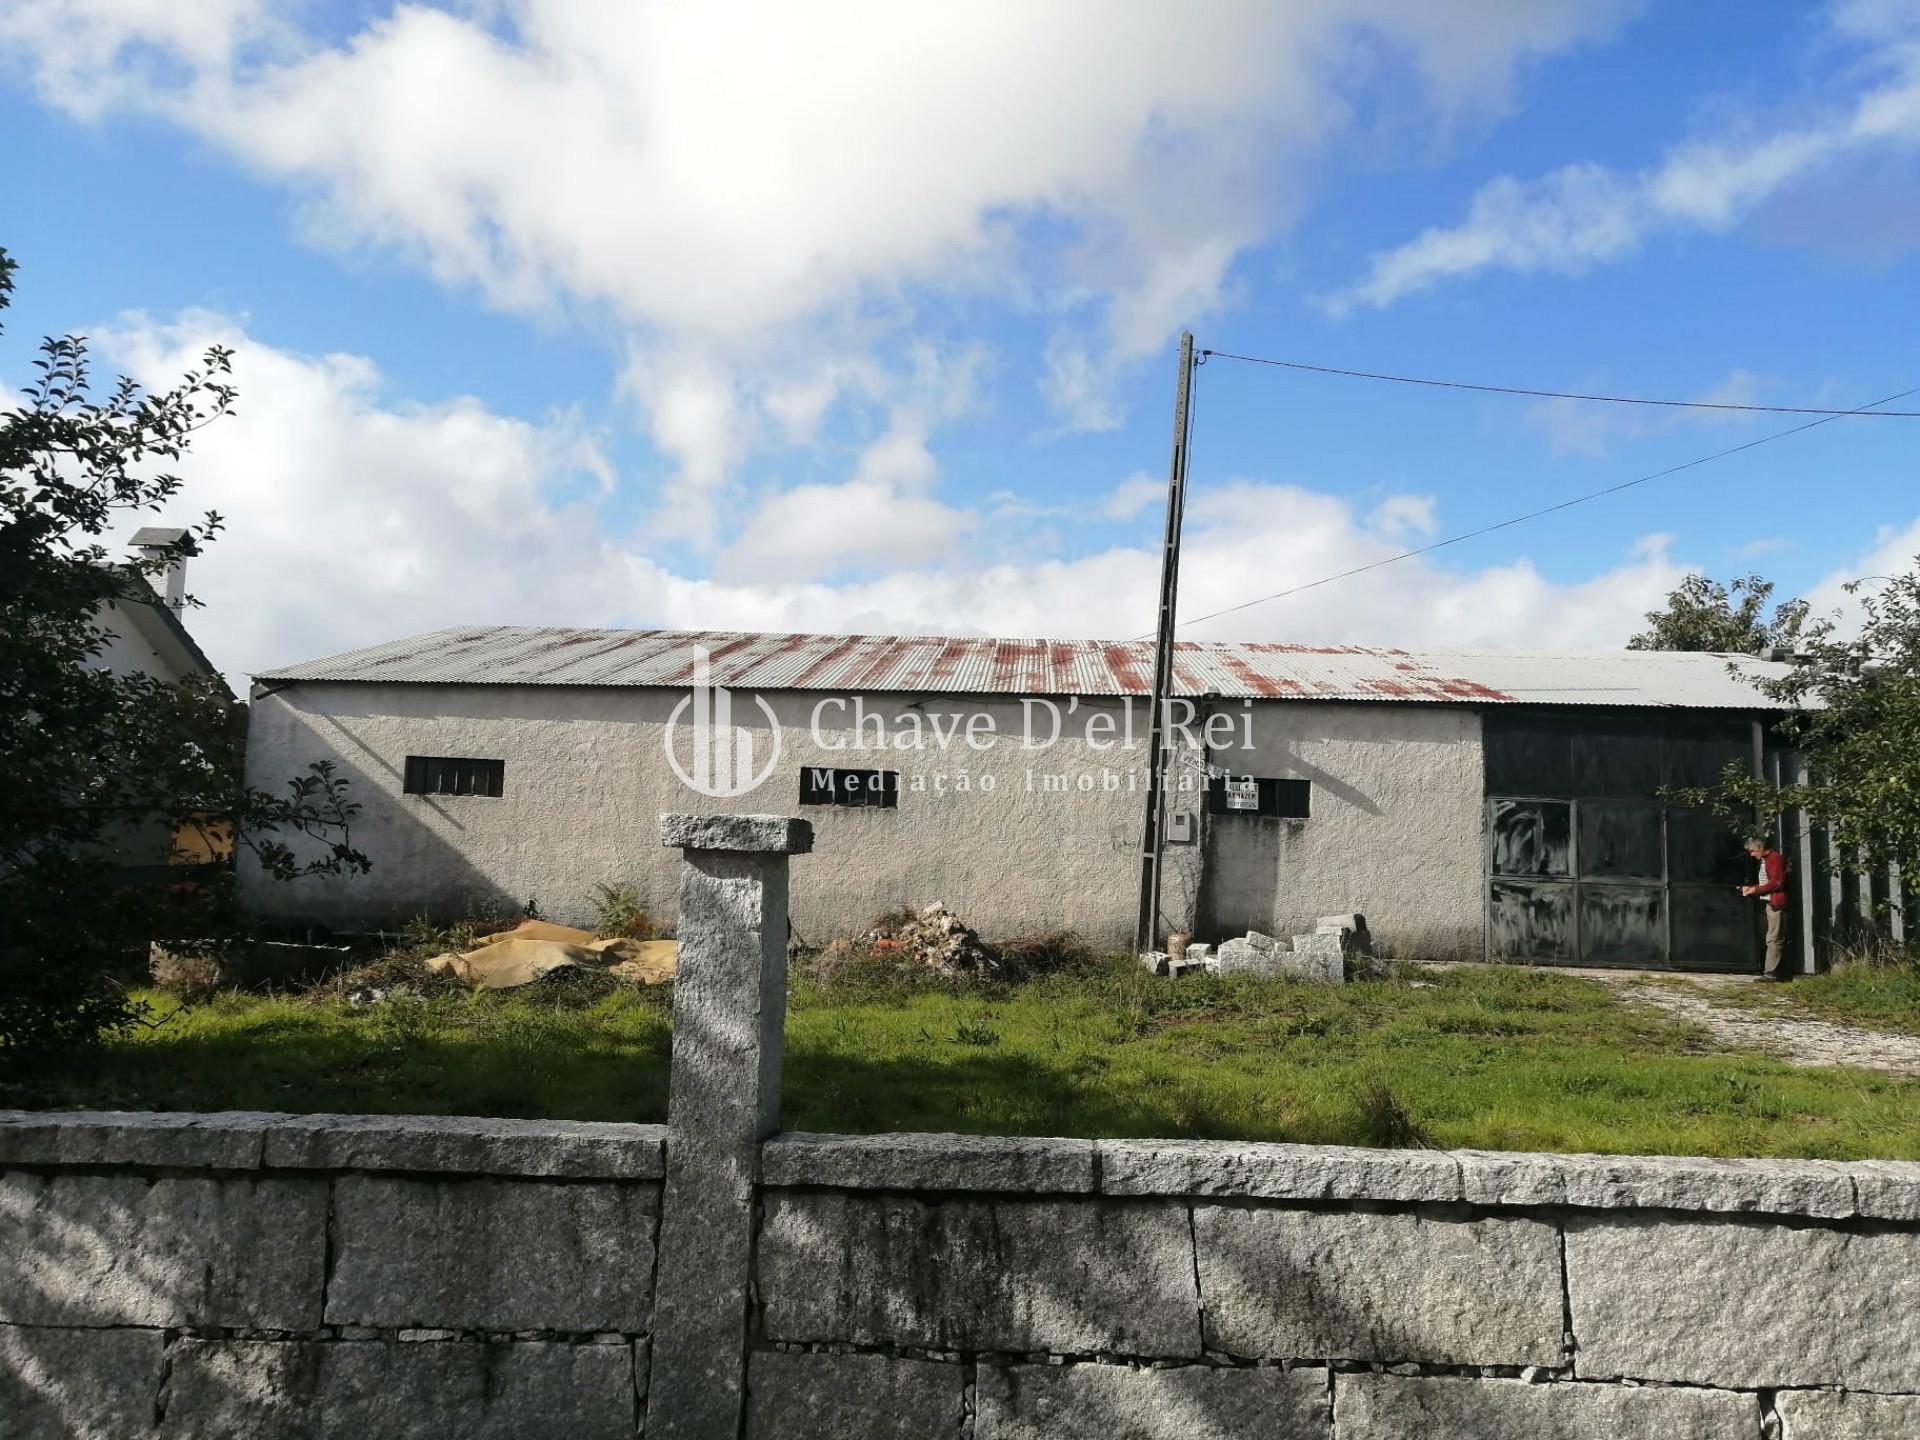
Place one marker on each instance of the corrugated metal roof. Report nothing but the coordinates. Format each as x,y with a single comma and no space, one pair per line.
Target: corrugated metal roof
526,655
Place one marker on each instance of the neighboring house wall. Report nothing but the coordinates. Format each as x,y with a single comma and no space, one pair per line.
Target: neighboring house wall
1396,832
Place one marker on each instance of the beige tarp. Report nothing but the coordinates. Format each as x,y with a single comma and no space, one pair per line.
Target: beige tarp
535,948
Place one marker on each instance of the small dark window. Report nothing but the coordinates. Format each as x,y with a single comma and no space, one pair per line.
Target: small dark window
445,775
1249,795
823,785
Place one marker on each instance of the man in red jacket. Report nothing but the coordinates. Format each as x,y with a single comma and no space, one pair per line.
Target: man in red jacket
1772,888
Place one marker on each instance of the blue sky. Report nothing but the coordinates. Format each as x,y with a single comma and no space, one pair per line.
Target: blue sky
862,317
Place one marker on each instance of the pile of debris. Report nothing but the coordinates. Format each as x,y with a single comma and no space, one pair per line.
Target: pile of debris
934,937
1320,956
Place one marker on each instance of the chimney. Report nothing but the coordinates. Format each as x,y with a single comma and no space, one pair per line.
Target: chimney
156,541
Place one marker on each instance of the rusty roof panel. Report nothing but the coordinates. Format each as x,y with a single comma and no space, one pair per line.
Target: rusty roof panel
526,655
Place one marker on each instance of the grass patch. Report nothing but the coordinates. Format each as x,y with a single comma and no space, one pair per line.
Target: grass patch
1879,993
1499,1058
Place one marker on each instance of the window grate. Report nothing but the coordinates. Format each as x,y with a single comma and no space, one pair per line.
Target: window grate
451,775
824,785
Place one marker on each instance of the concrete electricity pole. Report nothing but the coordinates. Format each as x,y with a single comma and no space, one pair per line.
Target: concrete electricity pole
1163,655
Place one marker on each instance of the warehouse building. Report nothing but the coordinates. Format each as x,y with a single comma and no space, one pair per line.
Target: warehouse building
1472,804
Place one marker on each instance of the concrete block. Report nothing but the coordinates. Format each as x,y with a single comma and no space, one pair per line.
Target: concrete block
1445,1407
1668,1182
1199,950
1155,962
1338,923
225,1140
78,1384
1886,1189
1311,1284
492,1254
296,1390
765,834
468,1145
1189,1402
1271,1171
809,1397
1261,941
928,1162
1744,1304
1843,1415
185,1250
1073,1277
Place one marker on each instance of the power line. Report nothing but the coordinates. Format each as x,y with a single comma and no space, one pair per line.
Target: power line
1560,394
1551,509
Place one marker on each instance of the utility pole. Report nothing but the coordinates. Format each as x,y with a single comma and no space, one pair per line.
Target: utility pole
1155,823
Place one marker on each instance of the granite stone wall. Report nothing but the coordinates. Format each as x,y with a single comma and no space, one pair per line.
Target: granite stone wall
204,1276
319,1276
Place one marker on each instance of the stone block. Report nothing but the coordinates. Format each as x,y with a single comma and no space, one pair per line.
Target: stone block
1321,960
1667,1182
1744,1304
1445,1407
1199,950
179,1251
347,1390
1243,957
1188,1402
492,1254
1155,962
1844,1415
1271,1171
222,1140
769,834
1261,941
809,1397
1338,923
78,1384
1311,1284
928,1162
1886,1189
1073,1277
468,1145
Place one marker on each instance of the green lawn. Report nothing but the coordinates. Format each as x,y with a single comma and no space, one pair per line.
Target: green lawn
1880,997
1499,1058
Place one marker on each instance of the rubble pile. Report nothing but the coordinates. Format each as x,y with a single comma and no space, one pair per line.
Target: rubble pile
1321,955
934,937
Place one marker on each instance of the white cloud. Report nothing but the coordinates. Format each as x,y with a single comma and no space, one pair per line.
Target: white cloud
1132,495
1583,215
356,518
1895,551
716,176
1589,428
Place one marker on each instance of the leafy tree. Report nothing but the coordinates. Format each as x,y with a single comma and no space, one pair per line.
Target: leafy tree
89,758
1732,619
1854,702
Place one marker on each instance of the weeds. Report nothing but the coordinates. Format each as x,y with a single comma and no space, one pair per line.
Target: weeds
621,915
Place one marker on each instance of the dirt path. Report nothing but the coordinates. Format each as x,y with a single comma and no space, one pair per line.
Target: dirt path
1774,1030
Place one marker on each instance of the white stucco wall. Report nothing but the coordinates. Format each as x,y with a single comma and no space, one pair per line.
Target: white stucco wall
587,779
1395,831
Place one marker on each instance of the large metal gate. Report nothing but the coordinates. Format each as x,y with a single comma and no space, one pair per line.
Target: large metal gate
1589,864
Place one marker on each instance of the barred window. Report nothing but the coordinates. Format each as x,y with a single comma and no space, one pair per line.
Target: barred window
449,775
824,785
